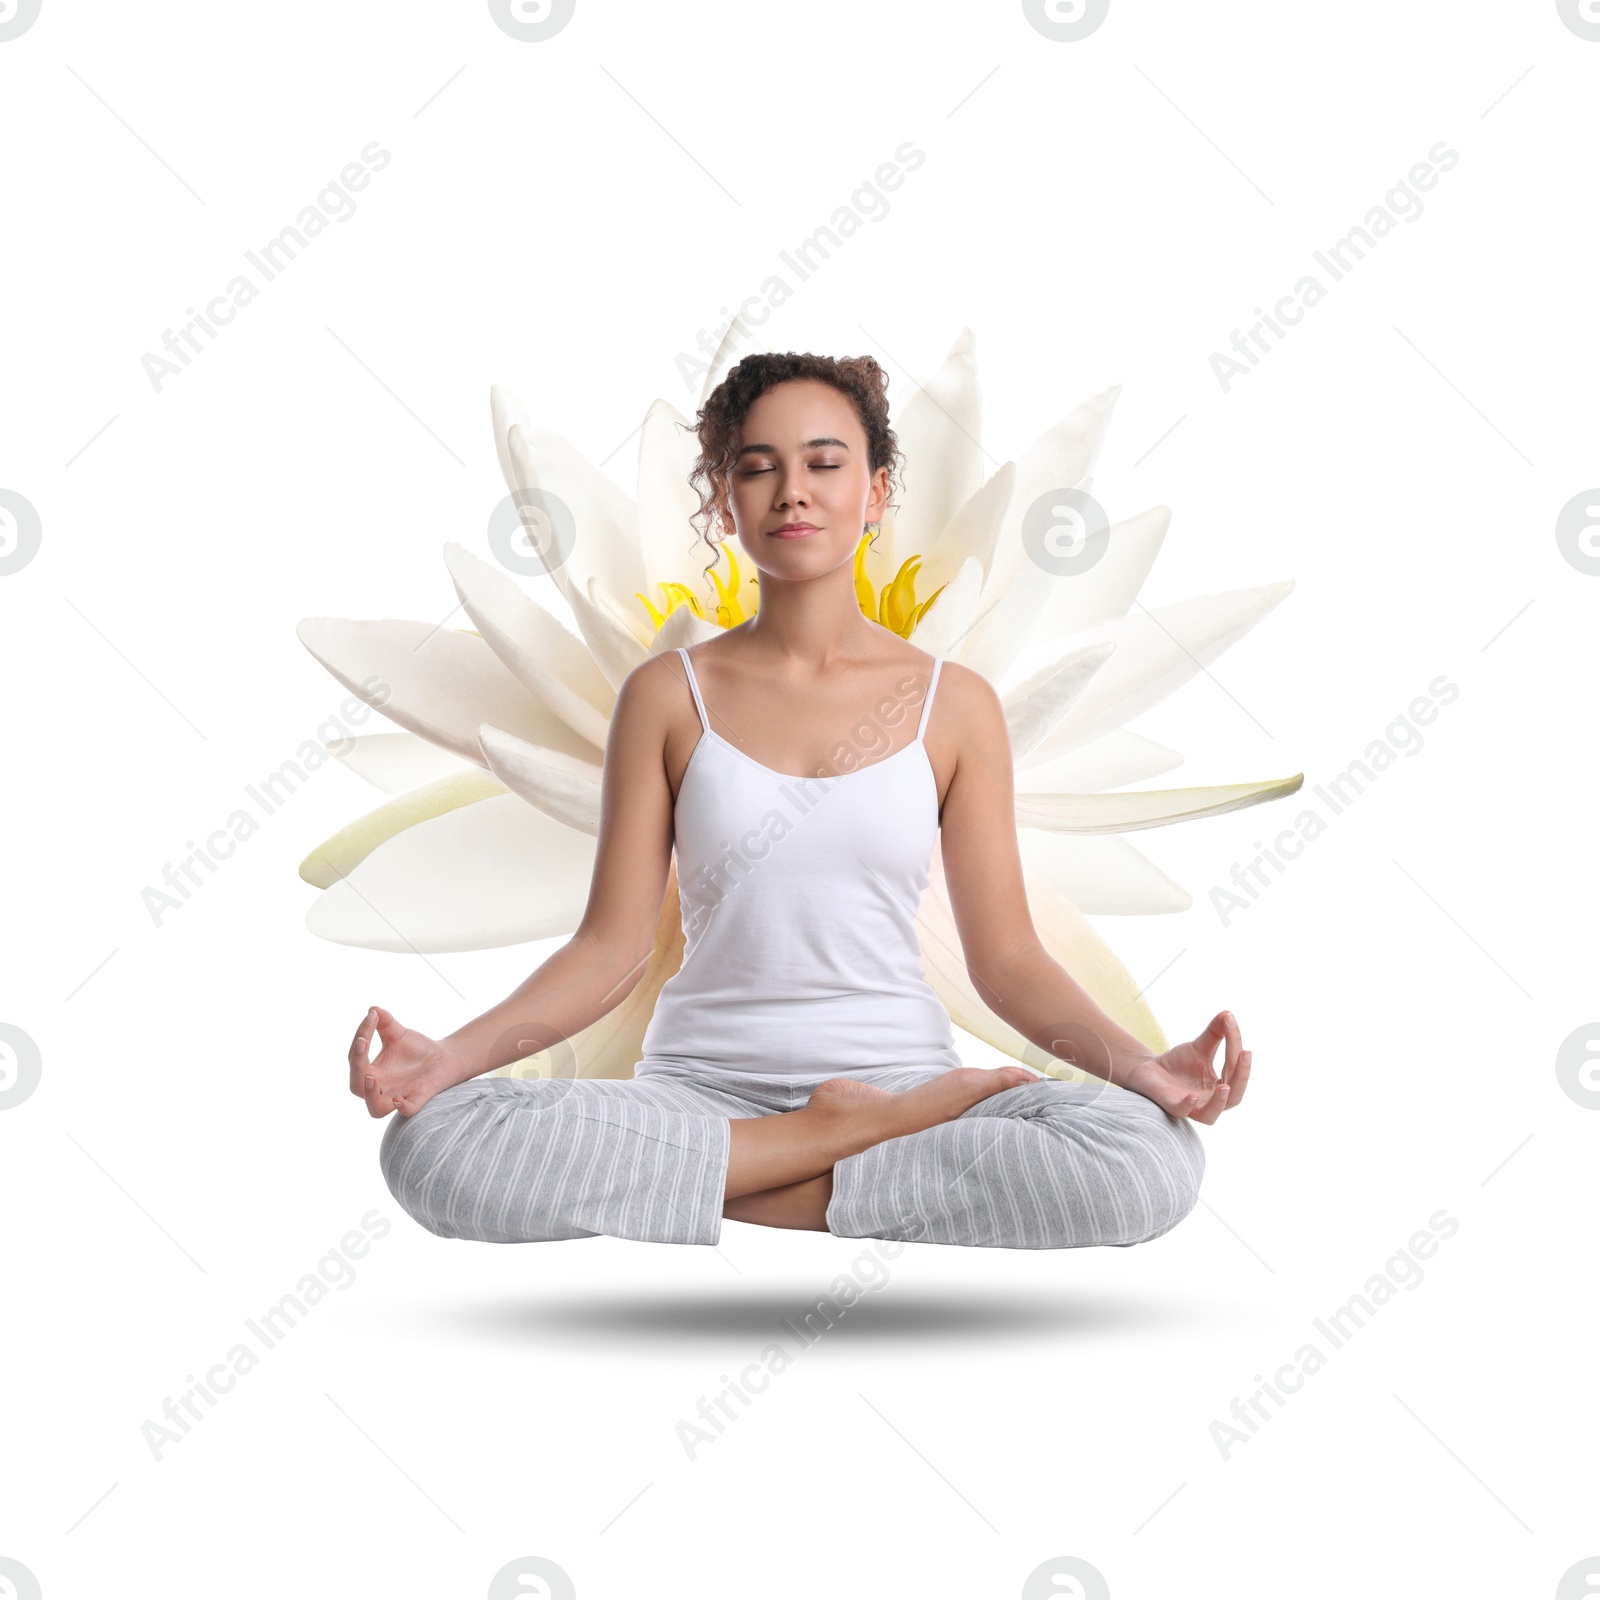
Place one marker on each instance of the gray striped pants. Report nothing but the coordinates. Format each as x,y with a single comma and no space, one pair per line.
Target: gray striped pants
1044,1166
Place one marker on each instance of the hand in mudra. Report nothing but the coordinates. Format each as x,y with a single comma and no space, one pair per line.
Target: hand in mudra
1184,1083
408,1071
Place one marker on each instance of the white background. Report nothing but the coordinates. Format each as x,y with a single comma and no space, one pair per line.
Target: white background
564,218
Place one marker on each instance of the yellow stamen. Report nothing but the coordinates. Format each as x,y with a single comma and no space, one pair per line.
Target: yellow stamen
896,607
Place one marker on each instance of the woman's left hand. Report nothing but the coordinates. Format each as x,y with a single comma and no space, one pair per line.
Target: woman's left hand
1184,1083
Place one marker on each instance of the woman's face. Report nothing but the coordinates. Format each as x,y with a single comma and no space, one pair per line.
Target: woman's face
801,489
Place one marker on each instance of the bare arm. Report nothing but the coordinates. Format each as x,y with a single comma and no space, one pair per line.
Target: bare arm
1020,981
597,968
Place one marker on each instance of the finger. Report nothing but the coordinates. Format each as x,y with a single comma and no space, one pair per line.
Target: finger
1215,1105
1241,1077
358,1051
1208,1038
1187,1104
1231,1033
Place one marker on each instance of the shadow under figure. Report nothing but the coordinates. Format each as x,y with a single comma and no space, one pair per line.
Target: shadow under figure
798,1070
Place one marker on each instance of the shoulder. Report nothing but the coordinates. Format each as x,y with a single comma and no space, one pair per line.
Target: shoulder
967,712
653,692
969,693
655,675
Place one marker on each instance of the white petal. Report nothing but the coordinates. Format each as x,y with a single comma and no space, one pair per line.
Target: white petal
939,430
440,683
669,543
725,357
1065,935
550,662
486,875
944,624
616,650
612,1045
505,413
1133,809
1060,458
605,520
1101,873
559,785
396,762
1076,602
1157,652
973,531
1039,703
1112,760
336,857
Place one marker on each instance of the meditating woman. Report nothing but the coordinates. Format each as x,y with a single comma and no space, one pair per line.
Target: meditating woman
798,1071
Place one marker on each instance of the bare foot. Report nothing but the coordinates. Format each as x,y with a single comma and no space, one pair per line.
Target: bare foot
941,1099
843,1117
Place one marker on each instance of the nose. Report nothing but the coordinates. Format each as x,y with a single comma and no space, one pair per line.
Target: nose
791,490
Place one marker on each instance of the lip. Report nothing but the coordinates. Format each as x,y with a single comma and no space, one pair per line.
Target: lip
794,530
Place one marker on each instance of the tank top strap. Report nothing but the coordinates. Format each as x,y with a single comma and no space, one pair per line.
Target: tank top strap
699,704
927,705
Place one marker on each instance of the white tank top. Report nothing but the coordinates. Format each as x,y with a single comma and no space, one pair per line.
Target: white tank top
799,899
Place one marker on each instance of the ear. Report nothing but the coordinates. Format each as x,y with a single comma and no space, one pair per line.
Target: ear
878,495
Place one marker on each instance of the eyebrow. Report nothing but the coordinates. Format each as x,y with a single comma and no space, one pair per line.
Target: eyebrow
772,449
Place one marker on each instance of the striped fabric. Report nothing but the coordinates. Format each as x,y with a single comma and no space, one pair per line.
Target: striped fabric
1044,1166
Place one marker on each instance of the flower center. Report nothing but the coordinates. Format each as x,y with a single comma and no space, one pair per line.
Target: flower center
895,605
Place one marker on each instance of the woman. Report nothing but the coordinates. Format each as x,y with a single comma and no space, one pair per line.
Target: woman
798,1071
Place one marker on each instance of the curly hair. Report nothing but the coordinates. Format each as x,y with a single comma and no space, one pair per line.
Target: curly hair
859,378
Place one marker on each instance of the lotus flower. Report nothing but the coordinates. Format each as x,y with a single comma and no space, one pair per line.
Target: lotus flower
490,836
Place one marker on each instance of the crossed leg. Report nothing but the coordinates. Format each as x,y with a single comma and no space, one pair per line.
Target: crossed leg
1046,1165
946,1156
780,1168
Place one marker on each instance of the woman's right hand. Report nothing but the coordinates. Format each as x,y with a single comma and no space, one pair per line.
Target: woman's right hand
408,1071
